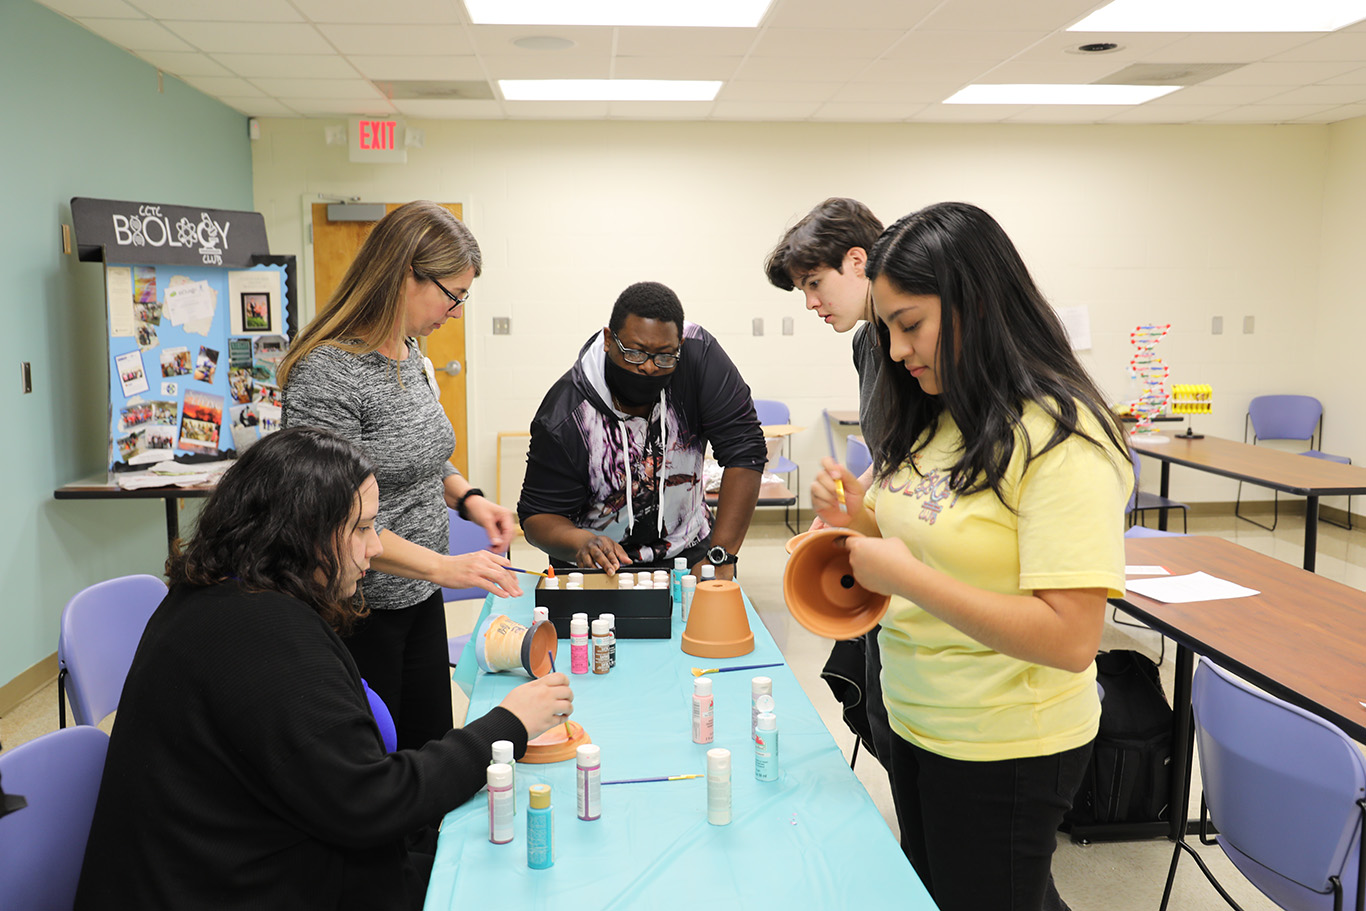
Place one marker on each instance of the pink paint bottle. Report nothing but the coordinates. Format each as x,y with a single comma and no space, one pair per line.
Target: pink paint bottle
588,781
500,803
578,645
702,709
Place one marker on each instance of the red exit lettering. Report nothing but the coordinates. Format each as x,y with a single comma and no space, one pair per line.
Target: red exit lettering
378,135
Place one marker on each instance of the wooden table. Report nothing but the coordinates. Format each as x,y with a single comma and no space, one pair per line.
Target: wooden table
1302,639
103,487
1287,472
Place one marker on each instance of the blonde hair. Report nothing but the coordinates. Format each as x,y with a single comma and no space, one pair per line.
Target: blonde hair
365,310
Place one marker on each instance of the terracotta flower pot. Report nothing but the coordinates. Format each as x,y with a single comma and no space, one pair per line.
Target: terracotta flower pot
821,592
505,645
717,625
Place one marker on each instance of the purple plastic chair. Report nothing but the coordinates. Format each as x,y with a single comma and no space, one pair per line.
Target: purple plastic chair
1285,789
1288,417
387,732
1140,502
465,537
772,412
857,458
101,628
42,846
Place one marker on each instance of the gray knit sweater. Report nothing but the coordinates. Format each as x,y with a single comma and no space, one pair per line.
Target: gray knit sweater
404,432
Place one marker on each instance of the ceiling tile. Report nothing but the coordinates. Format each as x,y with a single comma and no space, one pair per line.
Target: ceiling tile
411,12
1353,77
220,11
965,113
541,68
257,38
705,42
398,39
894,93
866,112
1268,113
556,110
1076,71
833,69
1167,113
816,43
336,107
742,90
659,110
1321,94
969,15
1333,115
763,111
1242,47
441,109
1222,95
391,66
1062,113
1286,74
1348,46
959,73
185,64
1133,47
93,9
888,14
299,66
136,34
498,39
317,88
985,45
259,107
224,85
675,67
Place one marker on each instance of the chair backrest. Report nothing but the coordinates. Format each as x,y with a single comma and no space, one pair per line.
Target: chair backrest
383,717
101,628
1138,471
42,845
1284,417
857,458
771,412
1281,784
465,537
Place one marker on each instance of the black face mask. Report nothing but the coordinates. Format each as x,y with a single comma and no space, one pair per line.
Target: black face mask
634,389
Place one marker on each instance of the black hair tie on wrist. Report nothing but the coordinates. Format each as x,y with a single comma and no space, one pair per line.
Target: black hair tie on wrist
460,503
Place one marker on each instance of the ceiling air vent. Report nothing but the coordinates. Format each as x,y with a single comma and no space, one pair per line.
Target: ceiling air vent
1168,73
434,90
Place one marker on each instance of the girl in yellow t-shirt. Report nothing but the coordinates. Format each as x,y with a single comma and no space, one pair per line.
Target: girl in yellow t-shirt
995,522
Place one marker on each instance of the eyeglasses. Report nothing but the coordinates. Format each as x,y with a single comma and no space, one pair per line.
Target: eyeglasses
455,301
664,361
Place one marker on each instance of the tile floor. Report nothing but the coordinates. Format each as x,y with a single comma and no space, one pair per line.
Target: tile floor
1101,877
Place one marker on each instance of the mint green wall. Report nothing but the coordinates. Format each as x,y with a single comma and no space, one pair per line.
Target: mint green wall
80,118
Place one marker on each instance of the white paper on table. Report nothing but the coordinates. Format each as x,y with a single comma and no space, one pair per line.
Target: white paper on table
1077,322
118,291
191,302
1141,569
1192,587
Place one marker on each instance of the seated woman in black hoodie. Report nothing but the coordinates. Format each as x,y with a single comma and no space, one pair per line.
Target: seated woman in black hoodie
245,769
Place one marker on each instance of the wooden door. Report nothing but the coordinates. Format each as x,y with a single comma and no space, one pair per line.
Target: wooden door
335,244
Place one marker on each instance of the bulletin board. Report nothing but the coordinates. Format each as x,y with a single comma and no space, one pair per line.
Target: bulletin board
198,315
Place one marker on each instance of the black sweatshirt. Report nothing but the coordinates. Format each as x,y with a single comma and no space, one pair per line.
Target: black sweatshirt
246,771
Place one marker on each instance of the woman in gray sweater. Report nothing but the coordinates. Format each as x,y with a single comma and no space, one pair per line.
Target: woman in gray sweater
356,369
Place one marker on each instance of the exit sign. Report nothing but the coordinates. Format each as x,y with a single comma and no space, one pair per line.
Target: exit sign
375,140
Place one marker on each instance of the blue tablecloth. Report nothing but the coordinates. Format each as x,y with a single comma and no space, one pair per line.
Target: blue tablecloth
811,839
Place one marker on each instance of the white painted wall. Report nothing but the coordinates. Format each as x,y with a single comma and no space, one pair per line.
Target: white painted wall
1172,224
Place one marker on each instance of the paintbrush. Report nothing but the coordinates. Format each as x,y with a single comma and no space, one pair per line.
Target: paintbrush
568,734
643,780
699,671
530,572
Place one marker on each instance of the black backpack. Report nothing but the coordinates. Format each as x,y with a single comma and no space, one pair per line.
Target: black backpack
1130,768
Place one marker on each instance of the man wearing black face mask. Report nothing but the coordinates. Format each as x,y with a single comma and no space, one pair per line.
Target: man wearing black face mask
614,471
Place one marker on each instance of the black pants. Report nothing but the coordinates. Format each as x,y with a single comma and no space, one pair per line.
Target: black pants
403,655
982,834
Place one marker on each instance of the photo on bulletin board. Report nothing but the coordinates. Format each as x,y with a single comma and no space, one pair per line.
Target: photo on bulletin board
256,296
255,312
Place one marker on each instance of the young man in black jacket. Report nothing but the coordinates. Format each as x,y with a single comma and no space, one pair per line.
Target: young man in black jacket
614,473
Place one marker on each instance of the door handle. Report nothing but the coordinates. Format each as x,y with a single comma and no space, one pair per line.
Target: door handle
452,368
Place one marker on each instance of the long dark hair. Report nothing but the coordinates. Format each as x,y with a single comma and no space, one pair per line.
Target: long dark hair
275,521
1000,346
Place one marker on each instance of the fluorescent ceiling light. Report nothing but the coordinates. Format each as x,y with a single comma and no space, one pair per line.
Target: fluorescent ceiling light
609,89
1047,93
697,13
1223,16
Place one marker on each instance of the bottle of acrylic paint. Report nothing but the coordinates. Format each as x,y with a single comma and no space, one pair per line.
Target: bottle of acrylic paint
502,752
676,582
540,829
500,803
766,747
588,781
611,636
602,655
689,588
759,686
576,578
660,579
718,787
539,615
708,572
578,644
702,710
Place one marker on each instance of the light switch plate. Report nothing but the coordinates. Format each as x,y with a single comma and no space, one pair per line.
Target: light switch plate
26,375
502,325
758,325
787,325
1249,325
1216,326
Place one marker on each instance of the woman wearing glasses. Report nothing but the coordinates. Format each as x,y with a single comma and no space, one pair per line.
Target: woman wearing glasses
356,369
